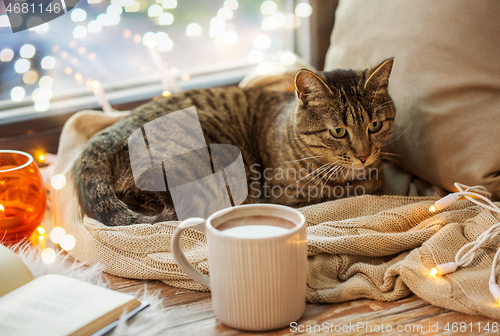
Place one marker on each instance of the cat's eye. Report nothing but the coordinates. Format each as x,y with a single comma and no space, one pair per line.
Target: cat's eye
375,126
338,132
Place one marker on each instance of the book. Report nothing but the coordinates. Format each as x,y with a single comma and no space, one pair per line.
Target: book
56,305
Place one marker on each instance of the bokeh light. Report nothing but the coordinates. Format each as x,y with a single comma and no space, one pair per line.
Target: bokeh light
303,9
57,234
48,255
6,55
264,68
193,29
27,51
17,93
22,66
48,62
58,181
268,7
78,15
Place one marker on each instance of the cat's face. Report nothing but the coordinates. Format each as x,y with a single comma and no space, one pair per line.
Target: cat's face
345,115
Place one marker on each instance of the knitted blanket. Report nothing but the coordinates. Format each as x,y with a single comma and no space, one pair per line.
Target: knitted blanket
377,247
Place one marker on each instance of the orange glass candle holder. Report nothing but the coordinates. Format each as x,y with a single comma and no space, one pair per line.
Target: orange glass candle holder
22,196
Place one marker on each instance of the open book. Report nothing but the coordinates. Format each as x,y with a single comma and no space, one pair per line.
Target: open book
55,305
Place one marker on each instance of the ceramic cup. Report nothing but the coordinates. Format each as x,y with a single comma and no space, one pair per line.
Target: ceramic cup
256,283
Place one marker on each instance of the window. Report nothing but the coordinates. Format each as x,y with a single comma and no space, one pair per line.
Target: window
135,49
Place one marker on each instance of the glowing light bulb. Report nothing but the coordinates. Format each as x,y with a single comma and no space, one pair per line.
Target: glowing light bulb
68,242
255,56
231,4
6,55
94,27
42,104
22,66
155,10
48,255
269,24
193,29
27,51
58,181
79,32
134,8
264,68
280,19
57,234
17,93
2,209
268,7
443,269
225,13
78,15
114,9
40,230
166,93
46,82
30,77
48,62
262,42
166,19
432,208
4,21
434,271
41,29
230,37
303,10
169,4
288,58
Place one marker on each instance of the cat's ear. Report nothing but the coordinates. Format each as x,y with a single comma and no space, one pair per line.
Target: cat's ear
310,86
378,76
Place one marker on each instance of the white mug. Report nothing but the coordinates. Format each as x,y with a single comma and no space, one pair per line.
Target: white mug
256,283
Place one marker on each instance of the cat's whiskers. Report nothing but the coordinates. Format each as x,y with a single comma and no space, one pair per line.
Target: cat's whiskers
327,164
324,176
318,171
381,106
307,158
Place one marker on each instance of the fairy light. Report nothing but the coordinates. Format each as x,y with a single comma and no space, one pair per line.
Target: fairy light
79,32
78,76
231,4
230,37
78,15
68,242
169,4
225,13
4,21
303,9
185,77
288,58
165,19
57,234
279,18
166,93
92,56
444,269
255,56
48,255
40,229
6,55
64,55
30,77
262,42
94,27
17,93
58,181
114,10
193,29
155,11
127,33
2,210
133,8
48,62
27,51
268,7
45,82
22,66
269,24
68,71
82,50
42,105
264,68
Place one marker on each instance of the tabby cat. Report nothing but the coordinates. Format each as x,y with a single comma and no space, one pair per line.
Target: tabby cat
318,143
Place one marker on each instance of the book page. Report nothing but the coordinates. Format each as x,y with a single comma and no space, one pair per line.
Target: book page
13,272
54,305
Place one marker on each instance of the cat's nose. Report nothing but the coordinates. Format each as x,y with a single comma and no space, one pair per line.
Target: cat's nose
363,159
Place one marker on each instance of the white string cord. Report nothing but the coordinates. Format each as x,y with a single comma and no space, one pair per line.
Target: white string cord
467,253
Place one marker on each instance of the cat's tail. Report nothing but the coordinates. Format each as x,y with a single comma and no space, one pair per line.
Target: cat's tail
97,186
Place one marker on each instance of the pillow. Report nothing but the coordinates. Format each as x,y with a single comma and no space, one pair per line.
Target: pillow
445,81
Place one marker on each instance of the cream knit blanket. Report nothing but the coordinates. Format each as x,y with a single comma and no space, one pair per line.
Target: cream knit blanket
377,247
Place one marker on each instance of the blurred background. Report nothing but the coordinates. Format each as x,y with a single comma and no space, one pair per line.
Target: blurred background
133,50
